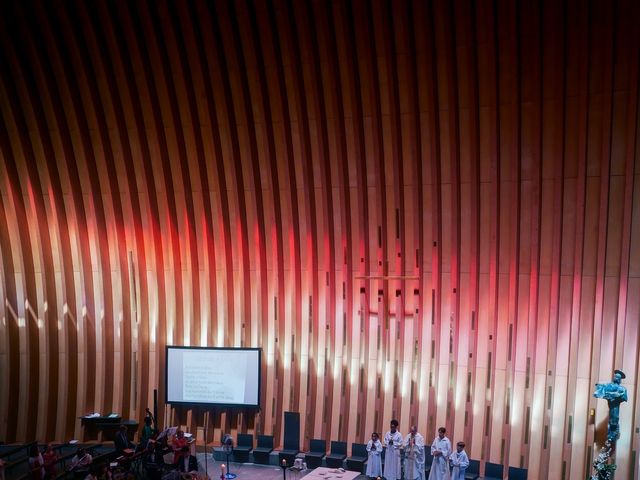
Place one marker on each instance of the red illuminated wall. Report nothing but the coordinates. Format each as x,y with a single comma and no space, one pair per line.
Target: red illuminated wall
418,209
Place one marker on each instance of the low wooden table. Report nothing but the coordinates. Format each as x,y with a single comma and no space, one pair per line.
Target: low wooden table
325,473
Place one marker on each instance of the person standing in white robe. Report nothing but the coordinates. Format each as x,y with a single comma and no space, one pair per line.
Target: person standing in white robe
440,449
414,455
393,442
374,463
459,461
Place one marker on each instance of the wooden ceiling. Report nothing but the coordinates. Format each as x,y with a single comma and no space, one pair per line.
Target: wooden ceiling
418,209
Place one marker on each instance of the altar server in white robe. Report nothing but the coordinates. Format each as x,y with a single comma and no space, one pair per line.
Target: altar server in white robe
374,463
414,455
459,462
440,449
393,442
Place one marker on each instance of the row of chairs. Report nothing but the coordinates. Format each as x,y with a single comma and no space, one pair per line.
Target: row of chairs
492,471
338,454
317,452
17,465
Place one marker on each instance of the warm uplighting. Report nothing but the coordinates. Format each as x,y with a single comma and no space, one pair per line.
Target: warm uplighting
388,377
220,335
461,394
537,404
516,410
434,225
354,371
406,381
286,364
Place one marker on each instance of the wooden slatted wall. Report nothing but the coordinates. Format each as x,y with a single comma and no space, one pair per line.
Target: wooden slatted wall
418,209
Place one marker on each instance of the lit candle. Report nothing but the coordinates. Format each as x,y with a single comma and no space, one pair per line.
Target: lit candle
223,469
284,462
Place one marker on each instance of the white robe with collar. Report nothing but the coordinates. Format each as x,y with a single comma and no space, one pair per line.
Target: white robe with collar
392,467
460,462
414,457
374,463
440,465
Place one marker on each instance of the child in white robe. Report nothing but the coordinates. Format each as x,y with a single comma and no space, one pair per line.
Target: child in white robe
374,463
459,462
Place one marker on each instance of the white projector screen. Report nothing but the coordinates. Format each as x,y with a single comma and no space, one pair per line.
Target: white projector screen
213,376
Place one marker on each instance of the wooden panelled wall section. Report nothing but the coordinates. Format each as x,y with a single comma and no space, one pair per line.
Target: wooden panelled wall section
417,209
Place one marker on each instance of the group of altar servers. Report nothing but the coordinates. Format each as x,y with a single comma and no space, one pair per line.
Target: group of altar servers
447,465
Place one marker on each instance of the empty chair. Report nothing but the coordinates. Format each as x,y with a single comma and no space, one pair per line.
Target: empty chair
358,458
337,455
291,444
317,451
243,447
288,455
263,449
517,473
473,470
493,471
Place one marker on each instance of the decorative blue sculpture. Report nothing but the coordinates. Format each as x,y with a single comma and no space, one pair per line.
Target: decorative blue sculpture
614,394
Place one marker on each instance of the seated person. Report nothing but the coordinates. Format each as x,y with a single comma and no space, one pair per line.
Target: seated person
98,472
155,453
122,442
180,447
36,463
80,461
50,460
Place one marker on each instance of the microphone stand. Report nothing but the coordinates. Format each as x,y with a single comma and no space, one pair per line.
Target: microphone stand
228,448
206,469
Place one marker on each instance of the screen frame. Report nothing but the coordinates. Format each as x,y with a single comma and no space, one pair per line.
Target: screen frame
209,404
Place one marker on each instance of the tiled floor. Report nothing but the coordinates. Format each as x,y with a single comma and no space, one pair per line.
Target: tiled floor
249,471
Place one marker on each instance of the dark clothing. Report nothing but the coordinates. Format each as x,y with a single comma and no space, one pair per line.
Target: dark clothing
122,443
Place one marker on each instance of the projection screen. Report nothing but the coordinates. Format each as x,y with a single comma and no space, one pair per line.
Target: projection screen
213,376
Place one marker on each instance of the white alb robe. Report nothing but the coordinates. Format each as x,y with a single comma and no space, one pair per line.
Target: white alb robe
374,463
392,468
440,465
460,462
414,457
